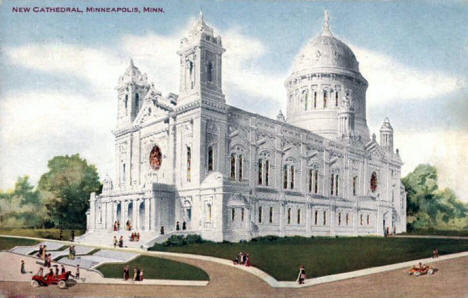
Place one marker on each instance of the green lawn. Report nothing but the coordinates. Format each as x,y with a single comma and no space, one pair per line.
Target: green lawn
41,233
321,256
8,243
155,268
439,232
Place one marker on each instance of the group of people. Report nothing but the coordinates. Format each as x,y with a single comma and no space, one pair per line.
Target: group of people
116,226
138,274
51,273
119,242
242,259
184,226
135,236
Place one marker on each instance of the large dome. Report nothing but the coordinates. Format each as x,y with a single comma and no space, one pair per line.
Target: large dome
325,52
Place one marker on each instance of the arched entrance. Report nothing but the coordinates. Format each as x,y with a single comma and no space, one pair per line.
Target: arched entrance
129,222
141,216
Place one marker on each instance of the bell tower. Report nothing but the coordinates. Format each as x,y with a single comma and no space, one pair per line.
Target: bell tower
386,135
201,64
132,88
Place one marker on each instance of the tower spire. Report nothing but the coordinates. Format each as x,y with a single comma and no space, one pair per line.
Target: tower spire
326,26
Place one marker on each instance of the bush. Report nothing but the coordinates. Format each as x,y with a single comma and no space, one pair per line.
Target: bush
180,240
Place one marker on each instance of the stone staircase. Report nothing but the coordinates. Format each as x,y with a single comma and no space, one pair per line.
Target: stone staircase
102,237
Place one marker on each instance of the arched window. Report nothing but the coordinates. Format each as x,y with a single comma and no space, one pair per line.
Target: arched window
126,101
310,179
267,172
347,219
285,177
336,184
339,218
373,182
241,161
316,217
260,171
137,102
271,214
260,214
368,219
210,158
298,216
189,163
123,173
233,166
209,212
292,177
210,72
233,214
324,218
316,181
191,72
315,99
336,98
289,216
354,185
324,98
332,184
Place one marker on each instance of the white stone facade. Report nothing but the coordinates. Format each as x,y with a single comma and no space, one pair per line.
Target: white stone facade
229,174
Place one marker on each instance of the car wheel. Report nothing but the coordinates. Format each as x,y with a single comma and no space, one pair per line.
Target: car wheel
62,284
34,283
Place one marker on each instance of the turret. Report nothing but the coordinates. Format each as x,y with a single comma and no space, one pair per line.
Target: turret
132,88
346,118
386,135
200,64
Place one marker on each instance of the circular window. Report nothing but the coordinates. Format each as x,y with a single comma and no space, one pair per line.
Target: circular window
373,182
155,158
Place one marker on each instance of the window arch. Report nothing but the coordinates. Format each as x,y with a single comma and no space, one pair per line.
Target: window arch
289,173
237,163
233,166
260,171
373,182
210,158
210,72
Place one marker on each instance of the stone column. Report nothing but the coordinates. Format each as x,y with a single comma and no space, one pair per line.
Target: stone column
134,215
154,214
92,210
308,211
147,214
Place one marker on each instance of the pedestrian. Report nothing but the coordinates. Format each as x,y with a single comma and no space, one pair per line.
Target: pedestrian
247,260
141,275
77,274
63,269
23,269
115,241
162,230
177,226
73,235
302,275
126,273
56,270
121,241
184,226
135,274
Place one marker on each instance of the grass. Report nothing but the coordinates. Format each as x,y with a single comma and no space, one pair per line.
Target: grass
8,243
40,233
281,257
438,232
155,268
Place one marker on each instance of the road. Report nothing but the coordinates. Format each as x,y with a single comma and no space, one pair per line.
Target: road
450,281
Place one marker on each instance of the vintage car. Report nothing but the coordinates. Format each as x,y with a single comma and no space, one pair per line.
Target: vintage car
60,280
421,270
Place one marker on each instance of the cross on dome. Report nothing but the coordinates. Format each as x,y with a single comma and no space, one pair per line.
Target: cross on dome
326,26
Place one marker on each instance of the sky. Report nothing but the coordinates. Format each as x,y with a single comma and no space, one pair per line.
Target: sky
58,71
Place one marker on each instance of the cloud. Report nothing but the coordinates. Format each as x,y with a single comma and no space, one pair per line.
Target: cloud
392,82
447,150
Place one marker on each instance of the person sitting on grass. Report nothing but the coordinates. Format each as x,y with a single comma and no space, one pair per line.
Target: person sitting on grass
247,260
141,275
435,253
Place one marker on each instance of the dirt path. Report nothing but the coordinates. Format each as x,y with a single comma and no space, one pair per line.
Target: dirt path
450,281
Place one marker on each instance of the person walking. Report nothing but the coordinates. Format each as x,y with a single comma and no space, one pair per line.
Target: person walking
141,275
77,274
302,275
23,269
115,241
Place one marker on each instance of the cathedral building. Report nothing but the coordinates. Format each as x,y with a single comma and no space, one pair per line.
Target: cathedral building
191,163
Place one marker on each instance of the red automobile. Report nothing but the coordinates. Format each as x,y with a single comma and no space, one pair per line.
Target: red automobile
48,279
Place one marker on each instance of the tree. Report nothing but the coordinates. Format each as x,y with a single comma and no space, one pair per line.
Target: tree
66,188
21,207
427,206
